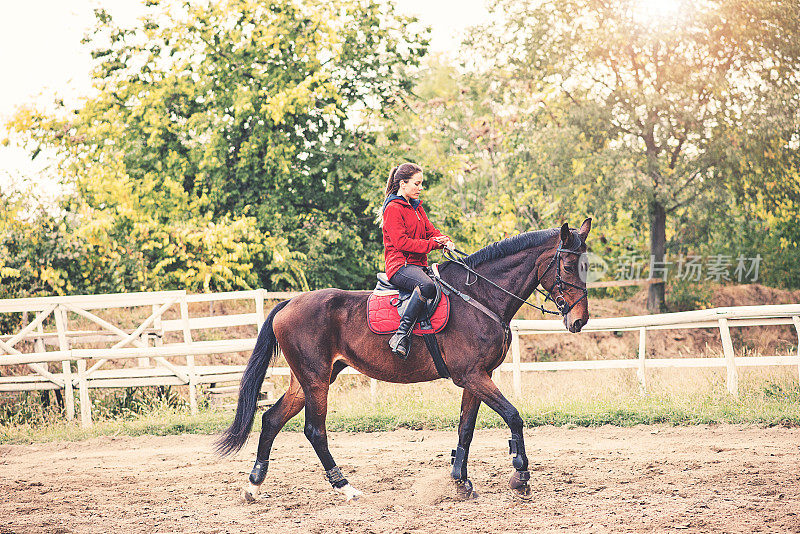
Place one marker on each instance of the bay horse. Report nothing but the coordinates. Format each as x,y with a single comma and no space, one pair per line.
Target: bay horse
322,332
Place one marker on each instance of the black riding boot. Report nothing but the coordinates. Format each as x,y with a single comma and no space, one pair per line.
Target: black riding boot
402,339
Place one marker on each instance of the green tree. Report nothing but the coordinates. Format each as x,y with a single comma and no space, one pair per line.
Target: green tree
680,100
237,110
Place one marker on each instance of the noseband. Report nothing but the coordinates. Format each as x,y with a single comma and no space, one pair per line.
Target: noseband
458,256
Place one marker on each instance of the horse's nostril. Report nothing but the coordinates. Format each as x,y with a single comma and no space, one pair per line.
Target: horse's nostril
576,326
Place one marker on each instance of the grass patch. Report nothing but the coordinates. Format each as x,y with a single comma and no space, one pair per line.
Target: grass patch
570,398
160,422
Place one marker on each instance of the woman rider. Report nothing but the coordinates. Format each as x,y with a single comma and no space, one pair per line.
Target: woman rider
408,236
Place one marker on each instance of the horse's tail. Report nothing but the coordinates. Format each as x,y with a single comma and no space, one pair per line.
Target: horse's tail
264,353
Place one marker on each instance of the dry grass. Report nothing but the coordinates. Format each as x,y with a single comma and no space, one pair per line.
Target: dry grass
563,398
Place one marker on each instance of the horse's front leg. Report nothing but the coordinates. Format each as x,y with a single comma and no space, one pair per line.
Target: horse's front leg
466,427
486,391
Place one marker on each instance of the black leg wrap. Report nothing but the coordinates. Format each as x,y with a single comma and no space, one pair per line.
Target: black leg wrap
459,460
259,472
520,477
336,478
516,446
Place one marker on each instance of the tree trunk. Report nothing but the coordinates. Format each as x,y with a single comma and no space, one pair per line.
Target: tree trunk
658,247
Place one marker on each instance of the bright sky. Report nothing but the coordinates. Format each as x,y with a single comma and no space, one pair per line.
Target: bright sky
41,54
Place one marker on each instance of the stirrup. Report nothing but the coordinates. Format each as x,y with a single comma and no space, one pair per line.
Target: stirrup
400,343
400,347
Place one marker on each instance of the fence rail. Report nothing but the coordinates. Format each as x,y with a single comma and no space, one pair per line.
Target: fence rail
162,363
719,318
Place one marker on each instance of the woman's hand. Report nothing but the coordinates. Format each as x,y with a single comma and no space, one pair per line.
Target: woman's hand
445,241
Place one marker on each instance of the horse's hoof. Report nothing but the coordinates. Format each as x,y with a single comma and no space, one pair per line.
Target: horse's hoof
519,483
523,493
464,490
250,493
350,493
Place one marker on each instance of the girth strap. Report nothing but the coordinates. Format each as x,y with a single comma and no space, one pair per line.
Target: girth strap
436,352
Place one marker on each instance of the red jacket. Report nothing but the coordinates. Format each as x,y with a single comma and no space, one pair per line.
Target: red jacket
407,235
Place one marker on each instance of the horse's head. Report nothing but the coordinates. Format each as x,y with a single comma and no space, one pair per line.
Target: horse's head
560,275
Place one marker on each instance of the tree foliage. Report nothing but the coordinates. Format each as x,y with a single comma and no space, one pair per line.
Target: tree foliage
229,122
678,101
238,143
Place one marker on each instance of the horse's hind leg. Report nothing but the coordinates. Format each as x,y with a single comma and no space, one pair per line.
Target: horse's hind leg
316,412
272,422
466,427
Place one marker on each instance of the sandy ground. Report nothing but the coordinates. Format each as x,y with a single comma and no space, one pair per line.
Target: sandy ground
645,479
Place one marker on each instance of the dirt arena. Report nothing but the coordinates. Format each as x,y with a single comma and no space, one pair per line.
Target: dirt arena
644,479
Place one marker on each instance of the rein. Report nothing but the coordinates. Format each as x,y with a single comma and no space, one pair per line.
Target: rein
457,256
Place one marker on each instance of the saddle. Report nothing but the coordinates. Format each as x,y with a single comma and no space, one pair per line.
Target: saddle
388,303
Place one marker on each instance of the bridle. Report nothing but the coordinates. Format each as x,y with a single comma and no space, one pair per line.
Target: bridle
457,256
560,283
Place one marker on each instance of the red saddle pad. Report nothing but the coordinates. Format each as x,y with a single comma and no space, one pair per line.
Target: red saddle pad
382,316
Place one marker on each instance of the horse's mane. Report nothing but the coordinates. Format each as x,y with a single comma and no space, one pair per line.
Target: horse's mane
517,243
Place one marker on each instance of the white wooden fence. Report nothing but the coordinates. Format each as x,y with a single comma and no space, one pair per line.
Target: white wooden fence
162,361
718,318
148,343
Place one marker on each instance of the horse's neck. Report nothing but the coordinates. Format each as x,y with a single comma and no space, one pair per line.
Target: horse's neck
515,273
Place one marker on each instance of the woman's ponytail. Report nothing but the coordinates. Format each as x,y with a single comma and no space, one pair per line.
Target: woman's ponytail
391,187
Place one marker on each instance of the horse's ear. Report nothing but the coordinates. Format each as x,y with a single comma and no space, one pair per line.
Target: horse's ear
585,227
564,235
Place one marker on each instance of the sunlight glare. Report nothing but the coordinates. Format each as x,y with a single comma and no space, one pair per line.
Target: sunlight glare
657,12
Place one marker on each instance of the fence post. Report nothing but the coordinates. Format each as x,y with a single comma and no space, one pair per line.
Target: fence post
260,309
83,385
730,362
516,358
373,390
83,393
38,343
66,365
640,373
796,321
187,338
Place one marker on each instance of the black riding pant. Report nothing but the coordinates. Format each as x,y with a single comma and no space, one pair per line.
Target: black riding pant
411,276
